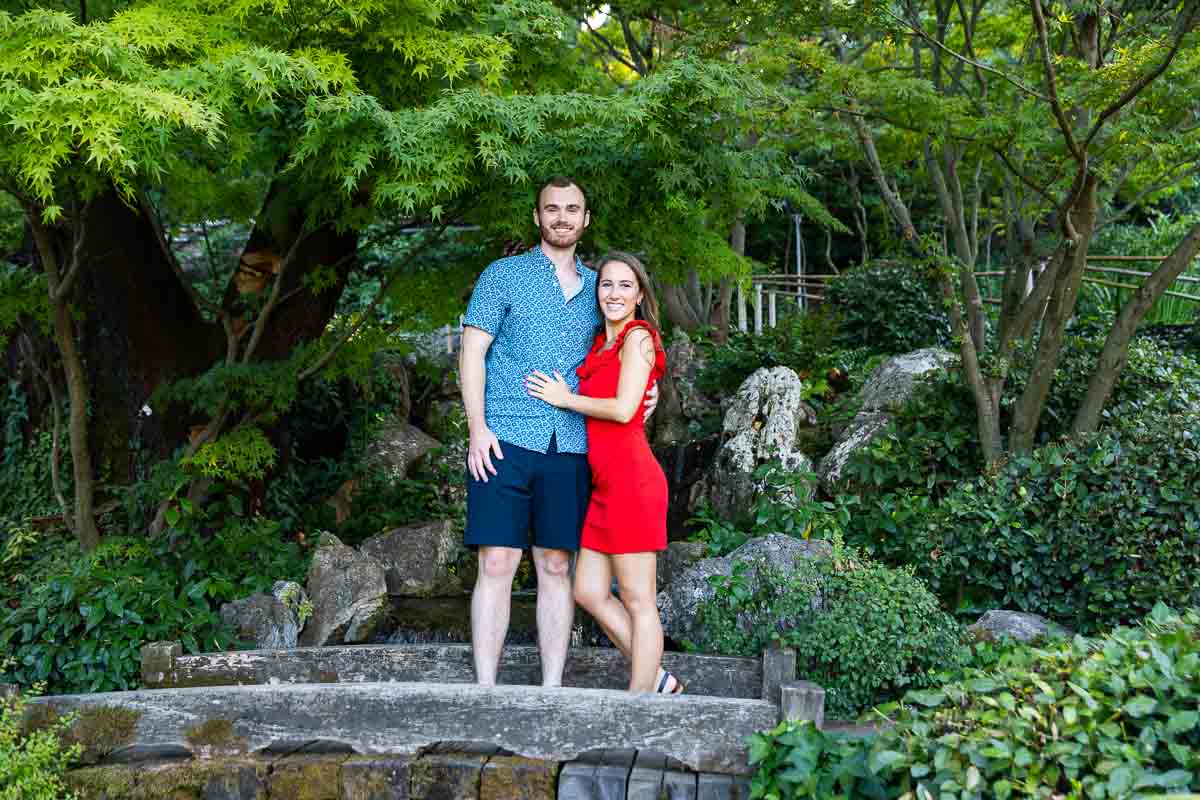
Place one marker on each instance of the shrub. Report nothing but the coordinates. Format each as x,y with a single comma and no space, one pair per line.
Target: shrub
1091,531
32,763
932,444
864,632
888,307
79,624
802,342
1110,718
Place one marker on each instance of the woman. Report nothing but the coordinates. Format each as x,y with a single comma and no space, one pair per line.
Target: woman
626,521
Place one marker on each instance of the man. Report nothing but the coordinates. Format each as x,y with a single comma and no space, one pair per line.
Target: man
527,459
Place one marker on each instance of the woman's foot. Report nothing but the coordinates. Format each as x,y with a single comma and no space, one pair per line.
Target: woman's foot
666,683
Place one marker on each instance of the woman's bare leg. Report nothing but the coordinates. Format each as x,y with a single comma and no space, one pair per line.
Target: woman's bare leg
638,585
593,591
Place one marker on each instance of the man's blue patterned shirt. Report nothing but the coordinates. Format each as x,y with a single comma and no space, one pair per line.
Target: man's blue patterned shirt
519,301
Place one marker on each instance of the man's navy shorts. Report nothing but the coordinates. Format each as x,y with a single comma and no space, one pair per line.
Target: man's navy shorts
534,498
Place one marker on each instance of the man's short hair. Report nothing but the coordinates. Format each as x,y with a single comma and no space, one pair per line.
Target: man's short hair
561,182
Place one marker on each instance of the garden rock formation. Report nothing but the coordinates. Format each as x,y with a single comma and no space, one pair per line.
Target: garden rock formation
760,425
888,389
1018,625
417,559
349,595
397,446
679,602
263,620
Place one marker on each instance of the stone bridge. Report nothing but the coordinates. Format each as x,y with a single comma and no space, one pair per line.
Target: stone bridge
386,722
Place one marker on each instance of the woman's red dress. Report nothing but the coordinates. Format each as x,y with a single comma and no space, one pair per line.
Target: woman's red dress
628,509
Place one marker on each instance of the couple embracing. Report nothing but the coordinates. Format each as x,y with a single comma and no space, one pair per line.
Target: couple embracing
555,366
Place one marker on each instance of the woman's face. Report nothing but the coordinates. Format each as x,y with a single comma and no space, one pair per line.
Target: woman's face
618,291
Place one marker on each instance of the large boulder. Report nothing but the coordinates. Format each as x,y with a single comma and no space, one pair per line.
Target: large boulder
760,424
677,559
1018,625
262,620
893,382
889,389
679,601
397,446
417,559
349,595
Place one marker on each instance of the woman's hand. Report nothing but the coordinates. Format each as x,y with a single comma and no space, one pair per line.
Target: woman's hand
551,390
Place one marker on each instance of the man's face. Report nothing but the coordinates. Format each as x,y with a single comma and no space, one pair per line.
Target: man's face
561,215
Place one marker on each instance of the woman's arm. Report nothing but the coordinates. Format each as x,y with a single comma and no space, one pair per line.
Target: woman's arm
637,359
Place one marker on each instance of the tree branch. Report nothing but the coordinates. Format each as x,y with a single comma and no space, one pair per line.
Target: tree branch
367,312
954,54
612,49
1060,115
1183,25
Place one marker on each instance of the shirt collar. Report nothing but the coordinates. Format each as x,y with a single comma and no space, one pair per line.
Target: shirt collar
538,252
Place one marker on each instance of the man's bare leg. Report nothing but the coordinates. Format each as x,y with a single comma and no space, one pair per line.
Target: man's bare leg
491,603
555,611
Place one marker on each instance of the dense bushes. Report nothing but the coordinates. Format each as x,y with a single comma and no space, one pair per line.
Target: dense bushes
889,307
1090,531
1111,718
932,445
78,621
863,631
32,763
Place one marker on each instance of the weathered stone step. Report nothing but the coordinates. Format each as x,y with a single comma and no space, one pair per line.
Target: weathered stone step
705,733
165,666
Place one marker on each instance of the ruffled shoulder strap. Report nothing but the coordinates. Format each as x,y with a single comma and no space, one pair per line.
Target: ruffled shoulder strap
660,355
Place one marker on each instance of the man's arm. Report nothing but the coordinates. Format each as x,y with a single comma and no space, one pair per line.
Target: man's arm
472,373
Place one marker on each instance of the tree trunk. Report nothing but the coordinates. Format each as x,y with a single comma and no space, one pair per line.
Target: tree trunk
1028,411
77,386
1116,345
142,330
303,316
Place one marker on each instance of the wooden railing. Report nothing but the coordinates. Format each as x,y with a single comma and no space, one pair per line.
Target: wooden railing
1132,273
806,289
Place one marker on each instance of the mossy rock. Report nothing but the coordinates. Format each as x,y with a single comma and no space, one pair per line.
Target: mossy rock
305,778
98,730
172,780
215,737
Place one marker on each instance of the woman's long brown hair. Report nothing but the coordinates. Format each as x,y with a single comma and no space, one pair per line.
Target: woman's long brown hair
648,308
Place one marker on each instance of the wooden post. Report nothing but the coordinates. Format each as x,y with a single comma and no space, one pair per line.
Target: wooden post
741,309
771,307
802,700
778,668
449,340
758,309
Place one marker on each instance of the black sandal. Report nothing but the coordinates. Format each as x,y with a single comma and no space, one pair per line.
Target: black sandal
662,683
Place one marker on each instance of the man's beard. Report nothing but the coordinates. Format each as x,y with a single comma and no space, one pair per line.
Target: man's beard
561,238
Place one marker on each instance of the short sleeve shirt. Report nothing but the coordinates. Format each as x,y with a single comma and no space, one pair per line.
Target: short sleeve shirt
519,301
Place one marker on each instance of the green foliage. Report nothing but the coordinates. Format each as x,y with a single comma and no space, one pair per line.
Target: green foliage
1091,531
32,763
1111,718
802,342
785,504
121,100
80,620
240,454
932,444
863,631
22,294
889,307
24,464
12,224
